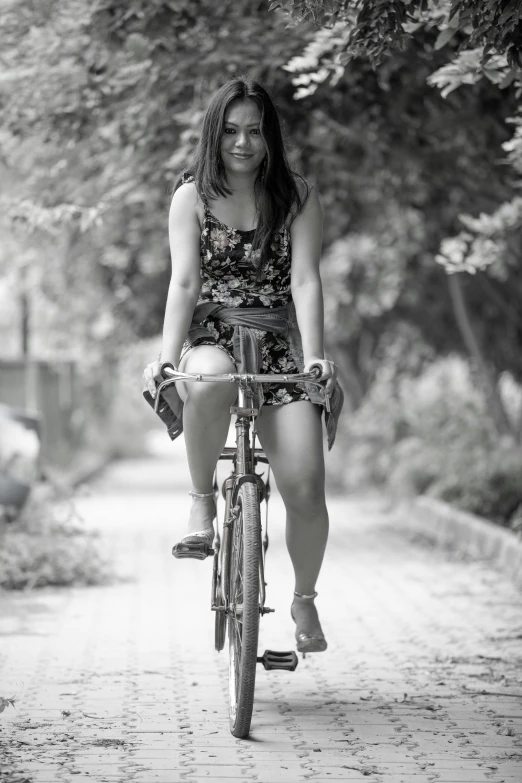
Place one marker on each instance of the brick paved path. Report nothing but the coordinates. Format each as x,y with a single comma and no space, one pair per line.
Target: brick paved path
421,682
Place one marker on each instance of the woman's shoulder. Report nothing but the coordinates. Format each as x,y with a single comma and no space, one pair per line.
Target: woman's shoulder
304,190
185,184
186,199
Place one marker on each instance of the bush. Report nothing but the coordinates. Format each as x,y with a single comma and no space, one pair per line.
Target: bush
48,545
433,435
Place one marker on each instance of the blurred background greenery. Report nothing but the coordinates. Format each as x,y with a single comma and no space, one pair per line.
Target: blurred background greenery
406,115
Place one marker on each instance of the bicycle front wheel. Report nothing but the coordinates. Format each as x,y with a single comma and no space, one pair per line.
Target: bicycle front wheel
243,619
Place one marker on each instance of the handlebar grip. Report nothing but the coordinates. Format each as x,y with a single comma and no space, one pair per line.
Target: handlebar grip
163,366
317,370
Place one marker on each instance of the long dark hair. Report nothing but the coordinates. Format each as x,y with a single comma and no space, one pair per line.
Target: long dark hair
280,194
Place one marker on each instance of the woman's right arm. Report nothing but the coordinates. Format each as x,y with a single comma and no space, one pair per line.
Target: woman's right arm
185,281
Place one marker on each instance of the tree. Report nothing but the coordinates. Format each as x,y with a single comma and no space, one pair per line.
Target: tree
108,97
453,44
113,95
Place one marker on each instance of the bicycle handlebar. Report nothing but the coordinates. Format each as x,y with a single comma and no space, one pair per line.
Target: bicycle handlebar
173,376
169,373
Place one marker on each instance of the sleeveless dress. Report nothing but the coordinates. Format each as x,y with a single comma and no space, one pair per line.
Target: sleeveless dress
230,277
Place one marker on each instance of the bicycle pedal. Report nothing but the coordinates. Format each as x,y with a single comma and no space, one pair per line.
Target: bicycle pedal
197,551
272,659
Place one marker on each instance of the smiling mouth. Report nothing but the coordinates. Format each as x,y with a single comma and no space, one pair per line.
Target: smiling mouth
238,155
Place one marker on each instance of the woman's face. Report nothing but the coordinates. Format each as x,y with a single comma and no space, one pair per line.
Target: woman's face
242,147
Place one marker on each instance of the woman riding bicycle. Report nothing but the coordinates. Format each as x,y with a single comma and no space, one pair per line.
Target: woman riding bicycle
246,232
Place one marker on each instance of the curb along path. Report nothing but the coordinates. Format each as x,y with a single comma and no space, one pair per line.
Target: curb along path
458,531
421,681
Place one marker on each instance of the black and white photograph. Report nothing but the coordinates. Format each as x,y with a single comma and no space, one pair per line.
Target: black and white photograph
260,391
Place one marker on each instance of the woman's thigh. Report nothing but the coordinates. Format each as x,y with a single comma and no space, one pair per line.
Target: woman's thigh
292,438
207,359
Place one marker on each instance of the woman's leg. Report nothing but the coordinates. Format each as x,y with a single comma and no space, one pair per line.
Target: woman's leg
206,419
291,436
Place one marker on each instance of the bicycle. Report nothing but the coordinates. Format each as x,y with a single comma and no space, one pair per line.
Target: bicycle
238,594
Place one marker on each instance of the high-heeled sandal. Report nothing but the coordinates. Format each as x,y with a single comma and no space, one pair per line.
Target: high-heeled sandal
196,545
306,642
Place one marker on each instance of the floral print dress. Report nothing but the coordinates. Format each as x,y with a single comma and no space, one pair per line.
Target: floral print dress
230,277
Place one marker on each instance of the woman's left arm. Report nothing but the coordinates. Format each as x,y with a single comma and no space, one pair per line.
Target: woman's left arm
307,292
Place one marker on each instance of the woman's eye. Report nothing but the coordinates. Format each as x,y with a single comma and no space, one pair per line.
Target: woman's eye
256,131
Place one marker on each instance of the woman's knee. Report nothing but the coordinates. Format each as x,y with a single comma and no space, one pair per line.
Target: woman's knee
304,495
209,396
207,359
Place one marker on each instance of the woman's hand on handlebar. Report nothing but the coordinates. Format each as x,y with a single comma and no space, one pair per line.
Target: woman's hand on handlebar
151,375
328,371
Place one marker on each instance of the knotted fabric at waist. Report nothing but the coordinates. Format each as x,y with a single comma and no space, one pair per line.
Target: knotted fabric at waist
246,320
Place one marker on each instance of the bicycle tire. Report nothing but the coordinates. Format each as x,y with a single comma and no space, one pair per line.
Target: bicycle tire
243,625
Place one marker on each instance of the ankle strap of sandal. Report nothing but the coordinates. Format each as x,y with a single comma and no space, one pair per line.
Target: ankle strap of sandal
305,597
201,494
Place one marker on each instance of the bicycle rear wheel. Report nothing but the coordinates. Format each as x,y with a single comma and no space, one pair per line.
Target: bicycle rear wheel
222,578
243,619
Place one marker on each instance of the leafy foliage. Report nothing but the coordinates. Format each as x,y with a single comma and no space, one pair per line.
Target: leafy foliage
378,26
48,545
431,434
104,101
52,220
446,45
468,67
514,146
485,41
398,111
373,27
497,25
491,241
367,278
